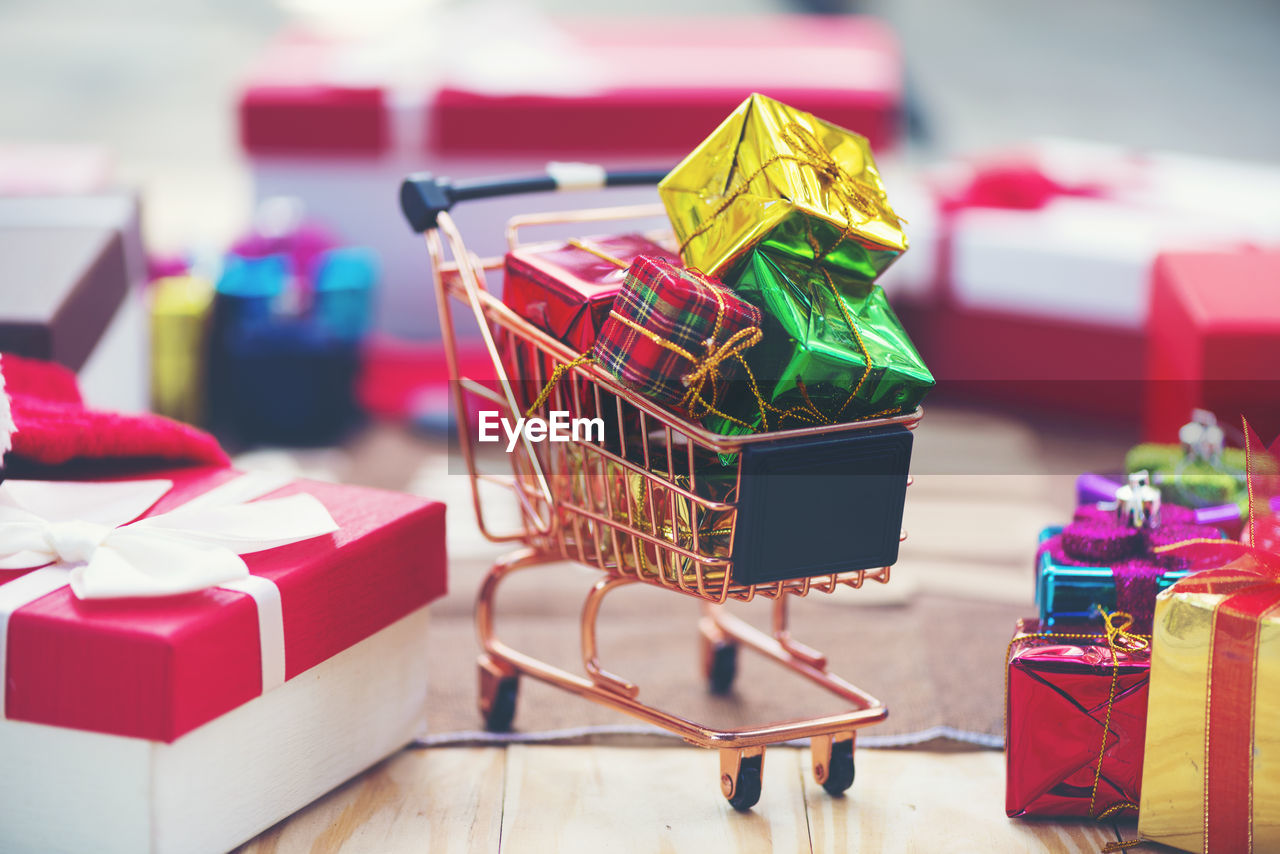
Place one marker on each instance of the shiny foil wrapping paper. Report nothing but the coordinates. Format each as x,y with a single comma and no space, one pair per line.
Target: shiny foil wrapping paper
1175,781
1070,587
613,491
1057,723
783,180
568,290
812,366
1069,593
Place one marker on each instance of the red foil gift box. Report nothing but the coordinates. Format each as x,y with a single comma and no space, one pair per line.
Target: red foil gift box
158,668
1073,740
1213,340
568,289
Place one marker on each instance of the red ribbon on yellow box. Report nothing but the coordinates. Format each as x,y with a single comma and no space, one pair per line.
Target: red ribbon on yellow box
1247,577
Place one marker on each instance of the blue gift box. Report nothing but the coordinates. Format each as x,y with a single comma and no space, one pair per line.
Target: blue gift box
1072,594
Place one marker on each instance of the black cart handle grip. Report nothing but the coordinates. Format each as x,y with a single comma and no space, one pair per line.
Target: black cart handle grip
423,196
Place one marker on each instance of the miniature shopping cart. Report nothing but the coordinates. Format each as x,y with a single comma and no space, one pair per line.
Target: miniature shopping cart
659,500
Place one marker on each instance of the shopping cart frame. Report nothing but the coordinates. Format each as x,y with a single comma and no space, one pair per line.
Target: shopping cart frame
426,202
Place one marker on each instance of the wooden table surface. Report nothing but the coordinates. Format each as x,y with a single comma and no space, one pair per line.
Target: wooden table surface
612,797
524,798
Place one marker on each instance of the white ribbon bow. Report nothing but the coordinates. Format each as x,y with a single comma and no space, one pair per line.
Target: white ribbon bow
88,529
84,535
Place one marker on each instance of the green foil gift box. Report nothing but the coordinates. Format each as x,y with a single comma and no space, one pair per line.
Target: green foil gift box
780,179
833,351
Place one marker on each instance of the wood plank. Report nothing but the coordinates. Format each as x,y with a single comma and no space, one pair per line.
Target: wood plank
910,801
621,799
446,801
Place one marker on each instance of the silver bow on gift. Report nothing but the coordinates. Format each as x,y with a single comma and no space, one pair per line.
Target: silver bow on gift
93,530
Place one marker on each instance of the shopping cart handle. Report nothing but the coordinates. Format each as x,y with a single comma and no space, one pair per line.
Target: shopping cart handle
423,196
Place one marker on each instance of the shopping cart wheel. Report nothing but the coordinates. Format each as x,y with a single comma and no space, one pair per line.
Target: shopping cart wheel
833,762
719,664
498,692
741,776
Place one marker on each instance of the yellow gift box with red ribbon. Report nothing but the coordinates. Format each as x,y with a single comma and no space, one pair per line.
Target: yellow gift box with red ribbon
1211,772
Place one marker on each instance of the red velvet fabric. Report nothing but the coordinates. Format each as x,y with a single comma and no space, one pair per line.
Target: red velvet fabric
54,426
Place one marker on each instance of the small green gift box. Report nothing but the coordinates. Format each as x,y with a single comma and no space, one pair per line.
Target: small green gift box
833,351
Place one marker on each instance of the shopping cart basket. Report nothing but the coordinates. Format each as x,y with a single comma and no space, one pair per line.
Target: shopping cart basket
659,500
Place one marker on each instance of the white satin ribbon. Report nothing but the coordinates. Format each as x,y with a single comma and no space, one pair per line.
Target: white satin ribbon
84,535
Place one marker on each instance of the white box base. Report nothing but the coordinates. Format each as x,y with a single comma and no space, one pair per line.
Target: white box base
117,374
221,784
1088,260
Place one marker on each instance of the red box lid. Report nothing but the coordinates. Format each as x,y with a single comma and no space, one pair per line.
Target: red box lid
663,86
1224,295
158,668
671,84
298,102
1214,339
569,291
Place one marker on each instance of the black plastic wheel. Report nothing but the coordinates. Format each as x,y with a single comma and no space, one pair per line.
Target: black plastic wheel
840,769
723,667
746,789
502,710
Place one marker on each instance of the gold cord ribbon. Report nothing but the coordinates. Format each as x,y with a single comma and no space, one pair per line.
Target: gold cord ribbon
558,372
1116,625
705,369
598,252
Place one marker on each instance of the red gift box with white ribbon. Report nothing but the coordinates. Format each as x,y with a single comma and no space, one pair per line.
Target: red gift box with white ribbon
1045,253
155,645
189,654
192,655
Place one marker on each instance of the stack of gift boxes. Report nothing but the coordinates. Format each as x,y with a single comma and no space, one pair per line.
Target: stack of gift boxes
758,312
1145,685
763,312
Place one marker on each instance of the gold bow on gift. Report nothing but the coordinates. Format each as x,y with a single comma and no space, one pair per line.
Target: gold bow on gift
851,193
706,368
772,174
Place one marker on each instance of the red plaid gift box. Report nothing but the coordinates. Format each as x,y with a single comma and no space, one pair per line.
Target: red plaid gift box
675,335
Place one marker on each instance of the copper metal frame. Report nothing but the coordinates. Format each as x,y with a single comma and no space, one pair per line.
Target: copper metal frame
571,509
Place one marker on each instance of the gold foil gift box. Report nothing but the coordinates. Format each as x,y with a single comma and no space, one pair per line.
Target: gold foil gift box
789,183
1211,774
665,512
